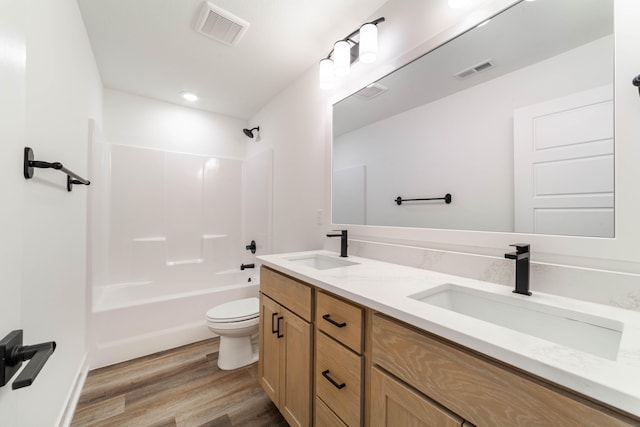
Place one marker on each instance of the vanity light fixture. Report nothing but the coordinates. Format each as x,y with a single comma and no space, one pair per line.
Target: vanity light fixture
190,96
346,51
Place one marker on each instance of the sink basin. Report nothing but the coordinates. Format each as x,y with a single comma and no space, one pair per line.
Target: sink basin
592,334
321,262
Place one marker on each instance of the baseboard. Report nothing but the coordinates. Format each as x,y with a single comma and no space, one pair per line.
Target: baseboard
66,416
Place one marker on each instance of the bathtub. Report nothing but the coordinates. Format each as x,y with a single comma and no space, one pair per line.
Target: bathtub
134,319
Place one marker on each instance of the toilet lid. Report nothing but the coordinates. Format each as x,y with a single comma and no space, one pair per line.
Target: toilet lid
235,311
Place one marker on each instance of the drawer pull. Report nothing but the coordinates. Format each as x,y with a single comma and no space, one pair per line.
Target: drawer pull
332,381
273,328
278,334
328,318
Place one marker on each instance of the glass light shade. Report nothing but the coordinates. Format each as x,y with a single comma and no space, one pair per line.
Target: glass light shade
325,73
341,58
368,43
457,4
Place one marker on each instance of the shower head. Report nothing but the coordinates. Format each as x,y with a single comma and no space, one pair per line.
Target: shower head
249,132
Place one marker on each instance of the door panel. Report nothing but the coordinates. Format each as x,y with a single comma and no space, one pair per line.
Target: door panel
563,165
295,368
269,367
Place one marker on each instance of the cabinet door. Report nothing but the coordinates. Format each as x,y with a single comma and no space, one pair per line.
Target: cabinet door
269,360
394,404
295,370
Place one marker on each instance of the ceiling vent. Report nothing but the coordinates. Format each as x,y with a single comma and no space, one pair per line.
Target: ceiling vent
478,68
221,25
371,91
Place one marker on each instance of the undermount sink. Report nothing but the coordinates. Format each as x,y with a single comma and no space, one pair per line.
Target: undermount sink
592,334
321,262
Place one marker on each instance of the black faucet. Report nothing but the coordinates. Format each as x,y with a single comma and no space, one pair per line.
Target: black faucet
243,266
521,255
343,241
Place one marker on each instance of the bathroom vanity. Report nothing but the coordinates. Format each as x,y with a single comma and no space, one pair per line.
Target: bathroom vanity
350,342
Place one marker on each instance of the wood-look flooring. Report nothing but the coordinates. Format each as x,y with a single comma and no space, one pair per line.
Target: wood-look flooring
178,387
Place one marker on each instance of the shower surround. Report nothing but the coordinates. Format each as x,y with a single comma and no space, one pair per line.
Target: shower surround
167,241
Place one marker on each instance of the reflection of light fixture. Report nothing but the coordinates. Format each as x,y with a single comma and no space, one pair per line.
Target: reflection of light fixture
346,51
190,96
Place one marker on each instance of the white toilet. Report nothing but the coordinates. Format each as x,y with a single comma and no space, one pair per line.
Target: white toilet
237,324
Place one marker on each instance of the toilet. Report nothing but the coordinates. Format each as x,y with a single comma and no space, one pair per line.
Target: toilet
237,324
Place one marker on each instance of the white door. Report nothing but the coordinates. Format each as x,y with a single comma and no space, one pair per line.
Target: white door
12,121
563,165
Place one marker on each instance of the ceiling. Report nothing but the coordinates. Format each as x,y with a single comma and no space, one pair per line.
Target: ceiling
151,48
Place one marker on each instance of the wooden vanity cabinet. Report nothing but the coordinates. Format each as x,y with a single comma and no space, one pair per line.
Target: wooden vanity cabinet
480,390
284,367
331,365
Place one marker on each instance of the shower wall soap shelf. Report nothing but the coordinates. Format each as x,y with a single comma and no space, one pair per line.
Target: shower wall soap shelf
29,164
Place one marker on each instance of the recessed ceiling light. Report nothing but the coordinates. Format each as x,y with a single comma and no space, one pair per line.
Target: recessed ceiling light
190,96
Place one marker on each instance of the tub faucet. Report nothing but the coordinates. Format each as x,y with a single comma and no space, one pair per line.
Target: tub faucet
243,266
521,255
343,241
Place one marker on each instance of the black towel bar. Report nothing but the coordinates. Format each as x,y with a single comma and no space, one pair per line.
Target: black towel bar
29,164
446,198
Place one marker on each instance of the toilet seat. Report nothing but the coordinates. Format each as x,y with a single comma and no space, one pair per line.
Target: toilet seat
235,311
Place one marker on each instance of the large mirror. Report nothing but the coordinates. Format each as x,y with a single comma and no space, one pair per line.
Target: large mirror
512,119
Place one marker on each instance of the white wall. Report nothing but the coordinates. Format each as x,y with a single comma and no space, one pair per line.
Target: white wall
293,125
428,151
62,91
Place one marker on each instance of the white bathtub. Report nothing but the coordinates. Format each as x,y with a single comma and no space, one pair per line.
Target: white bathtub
135,319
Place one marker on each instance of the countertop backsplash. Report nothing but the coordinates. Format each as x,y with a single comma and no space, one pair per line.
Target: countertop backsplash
600,286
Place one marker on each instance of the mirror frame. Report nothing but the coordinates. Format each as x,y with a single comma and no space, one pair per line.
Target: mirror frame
620,253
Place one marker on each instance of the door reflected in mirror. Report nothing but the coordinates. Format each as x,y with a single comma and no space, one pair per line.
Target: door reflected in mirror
514,119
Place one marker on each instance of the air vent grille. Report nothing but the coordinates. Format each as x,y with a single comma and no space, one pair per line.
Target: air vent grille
371,91
221,25
478,68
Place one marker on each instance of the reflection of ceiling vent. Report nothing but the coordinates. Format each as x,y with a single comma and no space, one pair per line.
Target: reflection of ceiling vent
371,91
468,72
220,25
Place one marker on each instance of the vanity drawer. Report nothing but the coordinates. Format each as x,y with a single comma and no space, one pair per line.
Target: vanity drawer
289,292
324,417
341,366
340,320
478,389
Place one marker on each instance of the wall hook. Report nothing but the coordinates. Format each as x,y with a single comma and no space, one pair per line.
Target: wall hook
636,82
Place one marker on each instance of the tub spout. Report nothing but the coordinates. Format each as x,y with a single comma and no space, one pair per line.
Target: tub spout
243,266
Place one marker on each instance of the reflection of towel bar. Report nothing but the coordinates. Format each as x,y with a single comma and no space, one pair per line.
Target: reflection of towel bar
29,164
446,198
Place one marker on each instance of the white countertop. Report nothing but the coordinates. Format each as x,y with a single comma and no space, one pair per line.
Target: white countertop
386,288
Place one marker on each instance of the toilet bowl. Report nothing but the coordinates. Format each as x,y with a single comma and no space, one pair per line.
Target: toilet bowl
237,324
